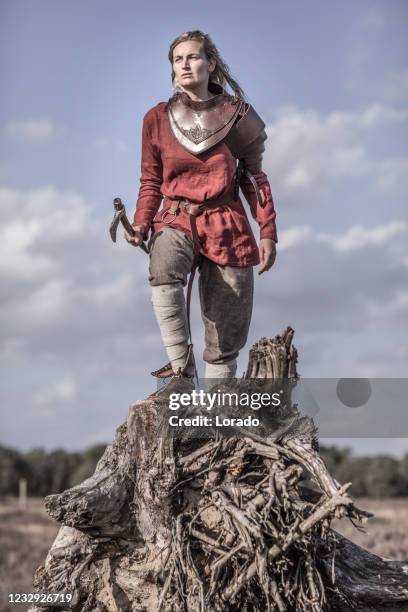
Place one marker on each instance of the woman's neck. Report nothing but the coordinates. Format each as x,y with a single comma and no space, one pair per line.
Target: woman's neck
199,95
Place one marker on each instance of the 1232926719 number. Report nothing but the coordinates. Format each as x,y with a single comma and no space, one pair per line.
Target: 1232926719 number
52,598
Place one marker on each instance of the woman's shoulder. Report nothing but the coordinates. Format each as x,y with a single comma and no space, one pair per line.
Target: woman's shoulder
155,113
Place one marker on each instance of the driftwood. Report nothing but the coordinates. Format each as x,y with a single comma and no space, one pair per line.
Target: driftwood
177,520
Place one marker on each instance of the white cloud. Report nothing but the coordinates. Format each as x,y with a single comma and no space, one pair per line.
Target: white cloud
116,292
358,237
45,305
72,301
294,236
84,309
65,284
32,131
392,175
393,307
16,261
32,219
309,153
379,114
63,390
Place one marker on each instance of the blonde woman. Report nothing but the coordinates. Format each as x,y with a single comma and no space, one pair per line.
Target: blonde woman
198,149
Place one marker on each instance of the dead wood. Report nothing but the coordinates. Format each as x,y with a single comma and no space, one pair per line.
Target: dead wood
171,521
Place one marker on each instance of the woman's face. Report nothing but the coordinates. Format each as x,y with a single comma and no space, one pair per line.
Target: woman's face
190,65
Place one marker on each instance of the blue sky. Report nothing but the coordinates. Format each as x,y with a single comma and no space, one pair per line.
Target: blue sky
331,82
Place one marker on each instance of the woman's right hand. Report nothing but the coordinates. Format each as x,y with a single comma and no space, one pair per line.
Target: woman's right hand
137,239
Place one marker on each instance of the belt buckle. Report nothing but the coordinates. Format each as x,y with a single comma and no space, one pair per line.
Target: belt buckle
169,212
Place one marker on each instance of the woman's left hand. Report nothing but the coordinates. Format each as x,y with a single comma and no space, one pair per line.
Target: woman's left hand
267,254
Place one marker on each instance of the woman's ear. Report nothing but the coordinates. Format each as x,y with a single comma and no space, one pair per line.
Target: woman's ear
212,65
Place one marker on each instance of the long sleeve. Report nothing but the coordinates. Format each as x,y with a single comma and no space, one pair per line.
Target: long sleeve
151,179
265,217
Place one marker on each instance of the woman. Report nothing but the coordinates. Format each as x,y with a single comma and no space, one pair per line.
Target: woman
190,148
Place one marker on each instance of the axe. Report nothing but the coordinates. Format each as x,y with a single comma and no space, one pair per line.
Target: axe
120,217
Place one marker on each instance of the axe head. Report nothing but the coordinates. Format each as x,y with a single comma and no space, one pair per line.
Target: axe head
119,210
114,225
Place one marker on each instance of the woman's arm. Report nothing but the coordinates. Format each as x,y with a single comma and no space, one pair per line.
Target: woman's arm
150,196
265,216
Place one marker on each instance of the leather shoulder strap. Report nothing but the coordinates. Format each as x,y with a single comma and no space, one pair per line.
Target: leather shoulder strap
246,139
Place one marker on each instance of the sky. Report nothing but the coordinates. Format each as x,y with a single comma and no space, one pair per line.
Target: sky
78,334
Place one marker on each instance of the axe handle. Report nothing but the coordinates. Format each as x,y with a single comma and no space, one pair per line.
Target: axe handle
131,231
127,226
119,206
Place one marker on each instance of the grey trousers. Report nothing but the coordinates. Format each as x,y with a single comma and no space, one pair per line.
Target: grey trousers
226,292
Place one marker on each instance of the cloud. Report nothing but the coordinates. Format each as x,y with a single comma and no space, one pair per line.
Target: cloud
392,175
63,390
30,223
310,154
379,114
79,336
77,324
395,306
341,303
67,289
294,236
32,131
358,237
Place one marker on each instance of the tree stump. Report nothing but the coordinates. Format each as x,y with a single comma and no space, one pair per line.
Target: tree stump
174,521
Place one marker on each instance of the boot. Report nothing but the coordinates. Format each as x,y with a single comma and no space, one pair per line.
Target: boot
182,381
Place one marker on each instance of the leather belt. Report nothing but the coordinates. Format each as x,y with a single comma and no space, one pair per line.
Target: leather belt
194,209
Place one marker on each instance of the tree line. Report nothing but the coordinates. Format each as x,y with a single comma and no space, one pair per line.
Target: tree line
374,476
46,472
54,471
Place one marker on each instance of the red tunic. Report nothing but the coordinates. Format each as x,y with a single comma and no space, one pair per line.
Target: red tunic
170,171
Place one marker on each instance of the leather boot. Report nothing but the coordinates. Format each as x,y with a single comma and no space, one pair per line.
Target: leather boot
181,381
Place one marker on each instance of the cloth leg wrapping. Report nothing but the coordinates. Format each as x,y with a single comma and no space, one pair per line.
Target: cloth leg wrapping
171,258
227,369
170,309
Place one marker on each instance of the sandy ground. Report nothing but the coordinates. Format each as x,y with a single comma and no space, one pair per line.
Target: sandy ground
386,534
25,538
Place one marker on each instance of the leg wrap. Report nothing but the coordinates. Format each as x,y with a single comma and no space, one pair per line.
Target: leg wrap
221,370
170,309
